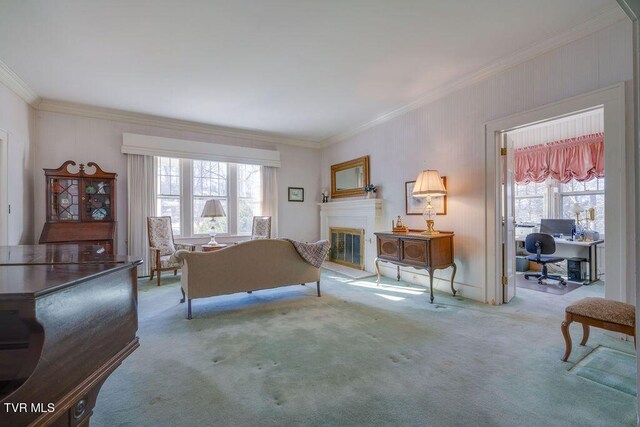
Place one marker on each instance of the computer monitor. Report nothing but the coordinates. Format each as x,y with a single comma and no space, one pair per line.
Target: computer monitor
557,226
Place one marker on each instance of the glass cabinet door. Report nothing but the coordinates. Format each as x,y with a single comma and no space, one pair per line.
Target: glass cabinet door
97,199
63,199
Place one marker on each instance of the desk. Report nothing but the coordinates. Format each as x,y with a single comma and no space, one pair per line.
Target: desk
413,249
570,249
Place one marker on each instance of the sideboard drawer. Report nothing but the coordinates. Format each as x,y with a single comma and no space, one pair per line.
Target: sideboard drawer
389,248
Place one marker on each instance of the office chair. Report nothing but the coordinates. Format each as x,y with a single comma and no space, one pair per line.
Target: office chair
542,244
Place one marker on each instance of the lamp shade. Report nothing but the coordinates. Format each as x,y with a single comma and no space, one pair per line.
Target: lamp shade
212,209
428,183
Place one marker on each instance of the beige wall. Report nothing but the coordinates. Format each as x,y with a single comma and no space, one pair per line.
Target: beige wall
448,135
83,139
16,118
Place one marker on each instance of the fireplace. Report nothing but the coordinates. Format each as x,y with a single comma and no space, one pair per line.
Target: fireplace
347,246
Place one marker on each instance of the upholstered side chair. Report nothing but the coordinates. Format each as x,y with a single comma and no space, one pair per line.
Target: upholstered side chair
261,228
162,246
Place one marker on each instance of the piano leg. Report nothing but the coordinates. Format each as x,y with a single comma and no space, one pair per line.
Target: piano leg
189,309
183,296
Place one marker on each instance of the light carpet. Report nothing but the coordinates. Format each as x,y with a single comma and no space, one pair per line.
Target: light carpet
350,272
361,355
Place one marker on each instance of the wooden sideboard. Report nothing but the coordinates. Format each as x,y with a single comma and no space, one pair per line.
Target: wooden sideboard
414,249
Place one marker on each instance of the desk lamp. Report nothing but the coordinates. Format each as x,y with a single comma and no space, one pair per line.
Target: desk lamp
429,184
213,209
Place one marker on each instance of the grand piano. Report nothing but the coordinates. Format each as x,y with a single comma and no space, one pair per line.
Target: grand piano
68,318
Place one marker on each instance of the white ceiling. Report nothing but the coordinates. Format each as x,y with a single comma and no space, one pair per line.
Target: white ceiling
306,69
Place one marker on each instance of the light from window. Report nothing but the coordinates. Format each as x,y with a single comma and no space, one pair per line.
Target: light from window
589,194
529,202
210,181
249,196
168,187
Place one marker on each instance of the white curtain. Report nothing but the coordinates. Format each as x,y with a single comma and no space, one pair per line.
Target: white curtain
270,197
141,200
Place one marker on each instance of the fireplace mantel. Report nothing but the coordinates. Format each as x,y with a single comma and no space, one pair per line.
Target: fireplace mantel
355,213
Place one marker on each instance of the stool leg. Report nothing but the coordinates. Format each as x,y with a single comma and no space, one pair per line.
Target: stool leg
585,334
567,339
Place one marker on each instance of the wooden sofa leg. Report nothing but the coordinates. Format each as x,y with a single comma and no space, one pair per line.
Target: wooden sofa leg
189,309
318,287
159,274
183,296
151,275
175,272
567,339
585,334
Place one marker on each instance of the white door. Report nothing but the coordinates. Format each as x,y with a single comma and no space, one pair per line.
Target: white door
4,188
508,219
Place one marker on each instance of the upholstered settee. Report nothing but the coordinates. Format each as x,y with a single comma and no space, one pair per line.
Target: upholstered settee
245,267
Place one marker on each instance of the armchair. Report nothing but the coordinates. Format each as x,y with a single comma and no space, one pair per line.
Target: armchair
162,246
261,228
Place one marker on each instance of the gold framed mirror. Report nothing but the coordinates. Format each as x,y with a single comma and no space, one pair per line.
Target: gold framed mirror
348,179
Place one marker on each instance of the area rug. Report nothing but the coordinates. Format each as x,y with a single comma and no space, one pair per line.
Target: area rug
609,367
552,287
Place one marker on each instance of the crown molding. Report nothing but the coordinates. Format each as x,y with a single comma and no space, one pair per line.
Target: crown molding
158,121
16,84
607,17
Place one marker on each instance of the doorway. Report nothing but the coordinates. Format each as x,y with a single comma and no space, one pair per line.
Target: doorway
619,258
554,183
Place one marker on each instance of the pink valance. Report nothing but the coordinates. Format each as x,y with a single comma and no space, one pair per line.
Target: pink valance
580,158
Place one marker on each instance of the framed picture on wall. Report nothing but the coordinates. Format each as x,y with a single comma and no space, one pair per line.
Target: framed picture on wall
296,194
415,205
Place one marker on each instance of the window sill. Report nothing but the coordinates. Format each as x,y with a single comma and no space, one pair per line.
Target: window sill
222,238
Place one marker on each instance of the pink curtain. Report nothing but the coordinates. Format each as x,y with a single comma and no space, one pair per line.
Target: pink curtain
579,158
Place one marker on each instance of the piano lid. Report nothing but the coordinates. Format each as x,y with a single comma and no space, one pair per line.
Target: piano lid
34,270
57,254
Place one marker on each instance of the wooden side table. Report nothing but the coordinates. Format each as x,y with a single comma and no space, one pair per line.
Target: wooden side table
211,248
413,249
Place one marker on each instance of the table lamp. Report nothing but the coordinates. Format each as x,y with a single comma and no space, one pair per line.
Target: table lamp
428,184
213,209
577,210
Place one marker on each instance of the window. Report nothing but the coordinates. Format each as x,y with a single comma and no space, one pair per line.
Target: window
589,194
552,199
209,182
249,196
168,190
183,186
530,202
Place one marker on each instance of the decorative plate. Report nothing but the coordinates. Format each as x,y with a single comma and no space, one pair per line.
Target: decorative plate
99,214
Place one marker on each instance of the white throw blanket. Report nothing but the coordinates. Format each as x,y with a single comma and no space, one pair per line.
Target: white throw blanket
313,253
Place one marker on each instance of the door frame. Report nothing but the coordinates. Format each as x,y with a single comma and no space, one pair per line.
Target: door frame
619,221
4,188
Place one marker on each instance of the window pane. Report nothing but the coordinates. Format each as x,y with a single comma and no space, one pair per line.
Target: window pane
168,176
209,178
247,209
249,196
170,206
586,201
529,210
203,225
209,181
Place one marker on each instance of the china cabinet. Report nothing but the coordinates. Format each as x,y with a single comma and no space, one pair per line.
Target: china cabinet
81,206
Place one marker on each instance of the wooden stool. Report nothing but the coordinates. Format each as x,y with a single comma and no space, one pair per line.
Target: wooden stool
602,313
